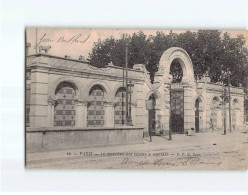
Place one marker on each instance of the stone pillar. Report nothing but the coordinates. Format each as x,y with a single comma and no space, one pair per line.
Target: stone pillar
39,98
237,122
146,120
202,121
219,119
227,117
133,112
140,112
81,114
50,112
109,114
242,122
208,106
166,107
189,115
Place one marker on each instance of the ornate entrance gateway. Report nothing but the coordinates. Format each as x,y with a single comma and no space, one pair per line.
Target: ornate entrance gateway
182,115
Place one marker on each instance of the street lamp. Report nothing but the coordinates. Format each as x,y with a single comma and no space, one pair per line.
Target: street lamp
170,78
225,99
229,94
129,117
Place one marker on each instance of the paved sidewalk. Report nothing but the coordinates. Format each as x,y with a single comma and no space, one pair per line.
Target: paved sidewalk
179,142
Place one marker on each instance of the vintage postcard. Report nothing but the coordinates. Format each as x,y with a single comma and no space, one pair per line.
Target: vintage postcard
136,99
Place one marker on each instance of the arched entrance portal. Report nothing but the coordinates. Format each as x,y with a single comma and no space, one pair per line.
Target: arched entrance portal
162,82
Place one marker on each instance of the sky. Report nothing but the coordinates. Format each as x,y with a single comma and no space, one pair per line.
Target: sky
75,42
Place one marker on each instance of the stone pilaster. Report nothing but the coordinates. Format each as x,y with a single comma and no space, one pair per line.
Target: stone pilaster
189,113
109,114
39,98
166,107
208,112
81,114
50,111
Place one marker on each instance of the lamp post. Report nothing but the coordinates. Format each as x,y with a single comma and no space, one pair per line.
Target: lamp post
126,85
129,118
150,103
224,99
128,110
229,94
170,125
170,78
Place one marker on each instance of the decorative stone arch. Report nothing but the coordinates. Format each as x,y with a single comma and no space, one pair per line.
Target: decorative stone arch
216,113
163,79
115,88
218,98
157,96
235,113
175,53
235,103
154,116
202,102
200,114
52,98
119,97
106,110
73,81
105,87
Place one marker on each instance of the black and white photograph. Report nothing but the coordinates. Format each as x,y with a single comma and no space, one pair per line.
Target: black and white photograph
136,99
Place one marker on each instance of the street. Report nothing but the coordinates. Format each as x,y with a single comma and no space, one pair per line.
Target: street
203,151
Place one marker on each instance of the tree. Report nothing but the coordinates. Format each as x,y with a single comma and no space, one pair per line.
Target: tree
212,52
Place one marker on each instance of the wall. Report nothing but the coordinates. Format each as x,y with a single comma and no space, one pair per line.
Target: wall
47,72
54,138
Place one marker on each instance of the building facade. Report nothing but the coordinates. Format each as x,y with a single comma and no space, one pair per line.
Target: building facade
70,103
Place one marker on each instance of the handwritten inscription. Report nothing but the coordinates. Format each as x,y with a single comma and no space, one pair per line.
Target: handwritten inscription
163,162
75,39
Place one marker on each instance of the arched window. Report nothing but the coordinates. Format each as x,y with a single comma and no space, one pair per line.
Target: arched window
216,114
64,110
95,113
120,107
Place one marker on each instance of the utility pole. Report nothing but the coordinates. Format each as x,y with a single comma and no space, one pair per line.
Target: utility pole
170,126
229,94
128,112
122,95
170,78
130,122
126,85
224,98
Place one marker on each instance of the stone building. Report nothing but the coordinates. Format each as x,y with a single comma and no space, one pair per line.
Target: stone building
70,103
